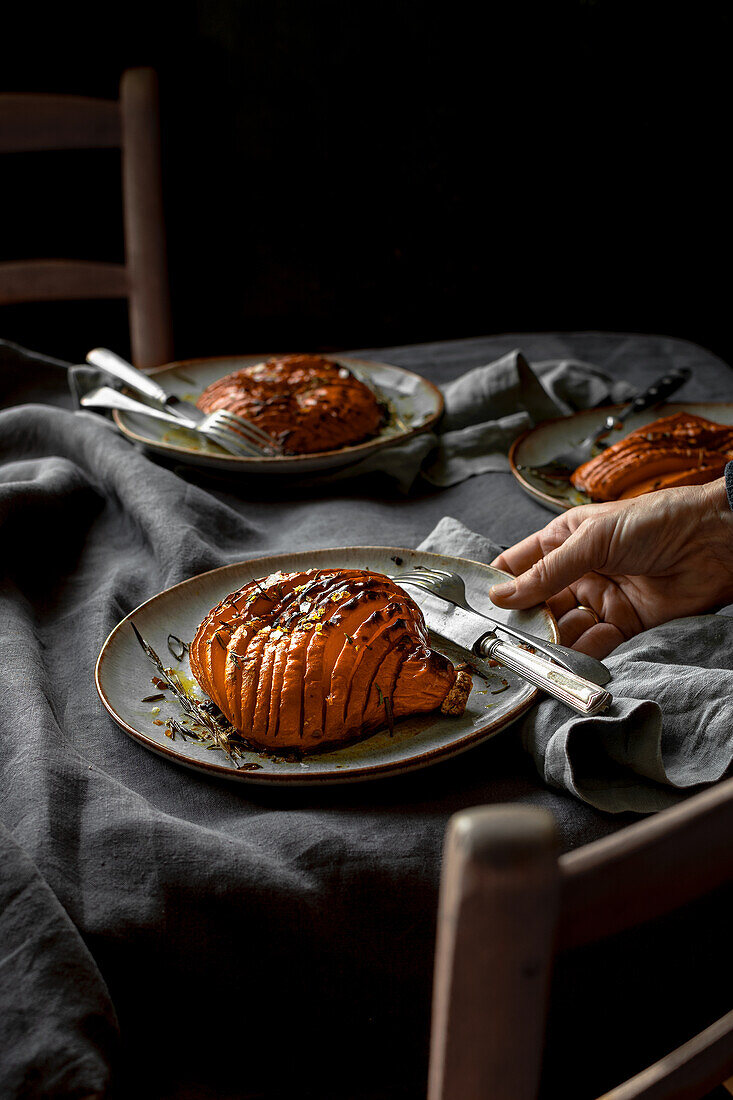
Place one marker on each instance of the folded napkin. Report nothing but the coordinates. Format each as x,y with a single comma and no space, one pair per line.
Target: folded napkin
668,730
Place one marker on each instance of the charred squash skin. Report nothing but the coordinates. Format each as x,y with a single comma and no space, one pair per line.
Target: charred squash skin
676,450
316,659
304,402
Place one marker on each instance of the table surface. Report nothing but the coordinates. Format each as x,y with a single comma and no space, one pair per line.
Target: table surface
305,916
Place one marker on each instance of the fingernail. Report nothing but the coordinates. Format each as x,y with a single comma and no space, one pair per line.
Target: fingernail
508,588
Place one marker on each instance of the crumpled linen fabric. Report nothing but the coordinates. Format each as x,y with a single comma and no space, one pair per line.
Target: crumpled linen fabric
491,406
166,935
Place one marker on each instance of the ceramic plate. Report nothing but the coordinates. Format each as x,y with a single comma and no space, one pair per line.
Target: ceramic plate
539,444
415,405
123,675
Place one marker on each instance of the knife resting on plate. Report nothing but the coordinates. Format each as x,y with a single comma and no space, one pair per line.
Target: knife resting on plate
474,634
145,386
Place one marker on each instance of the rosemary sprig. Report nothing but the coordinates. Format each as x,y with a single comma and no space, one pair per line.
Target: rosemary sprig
190,706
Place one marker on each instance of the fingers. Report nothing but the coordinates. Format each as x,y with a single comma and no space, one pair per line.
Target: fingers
548,575
579,629
600,640
574,623
562,603
517,559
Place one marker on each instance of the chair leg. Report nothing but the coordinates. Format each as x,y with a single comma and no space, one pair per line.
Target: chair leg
496,929
149,295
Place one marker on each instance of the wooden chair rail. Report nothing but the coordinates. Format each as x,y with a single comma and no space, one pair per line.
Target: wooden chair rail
507,904
688,1073
648,869
35,122
60,280
31,123
145,245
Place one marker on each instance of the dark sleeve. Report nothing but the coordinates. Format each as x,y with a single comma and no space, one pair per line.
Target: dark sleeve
729,482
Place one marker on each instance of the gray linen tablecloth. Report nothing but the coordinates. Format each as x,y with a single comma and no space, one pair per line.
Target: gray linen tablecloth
165,935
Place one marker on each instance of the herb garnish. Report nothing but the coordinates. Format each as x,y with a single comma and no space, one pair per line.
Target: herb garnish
264,591
191,706
181,647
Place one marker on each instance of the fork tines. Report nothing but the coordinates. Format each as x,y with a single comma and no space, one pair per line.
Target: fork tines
424,572
232,441
254,435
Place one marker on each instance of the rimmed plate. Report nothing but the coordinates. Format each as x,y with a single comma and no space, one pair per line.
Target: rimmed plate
415,405
539,444
123,675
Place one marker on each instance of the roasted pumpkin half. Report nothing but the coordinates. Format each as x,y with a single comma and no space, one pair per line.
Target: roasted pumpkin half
304,402
316,659
682,449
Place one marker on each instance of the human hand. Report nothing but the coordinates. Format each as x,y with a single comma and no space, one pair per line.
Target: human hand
632,564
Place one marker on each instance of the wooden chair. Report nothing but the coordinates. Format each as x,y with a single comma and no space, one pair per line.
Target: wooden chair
45,122
508,904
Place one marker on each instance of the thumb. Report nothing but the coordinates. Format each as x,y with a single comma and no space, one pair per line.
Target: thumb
548,576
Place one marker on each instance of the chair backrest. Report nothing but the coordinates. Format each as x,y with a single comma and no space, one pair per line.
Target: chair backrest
508,904
46,122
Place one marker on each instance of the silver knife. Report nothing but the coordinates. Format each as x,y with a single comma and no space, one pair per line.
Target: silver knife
467,630
145,386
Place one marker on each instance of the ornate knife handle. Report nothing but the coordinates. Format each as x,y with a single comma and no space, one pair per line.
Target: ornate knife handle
582,695
141,383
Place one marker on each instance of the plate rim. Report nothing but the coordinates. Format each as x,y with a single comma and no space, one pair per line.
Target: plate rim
357,450
555,504
354,775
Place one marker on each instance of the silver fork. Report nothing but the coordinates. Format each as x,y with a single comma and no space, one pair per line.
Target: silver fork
252,440
450,586
104,397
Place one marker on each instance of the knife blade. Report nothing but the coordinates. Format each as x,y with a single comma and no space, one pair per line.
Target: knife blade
468,631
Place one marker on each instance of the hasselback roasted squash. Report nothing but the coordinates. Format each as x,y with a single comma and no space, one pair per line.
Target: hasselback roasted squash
315,659
304,402
682,449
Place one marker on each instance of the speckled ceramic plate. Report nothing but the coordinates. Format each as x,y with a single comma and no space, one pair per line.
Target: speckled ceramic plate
539,444
123,675
414,405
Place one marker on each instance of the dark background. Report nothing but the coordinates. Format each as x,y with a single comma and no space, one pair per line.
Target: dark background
343,175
